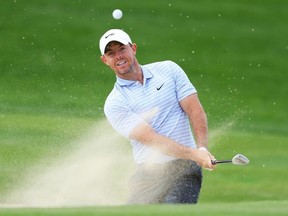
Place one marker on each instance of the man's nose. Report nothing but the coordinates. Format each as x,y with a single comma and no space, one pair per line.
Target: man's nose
118,55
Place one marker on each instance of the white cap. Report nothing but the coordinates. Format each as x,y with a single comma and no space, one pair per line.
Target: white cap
113,35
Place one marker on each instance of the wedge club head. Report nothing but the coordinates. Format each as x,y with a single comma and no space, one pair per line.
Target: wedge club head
238,159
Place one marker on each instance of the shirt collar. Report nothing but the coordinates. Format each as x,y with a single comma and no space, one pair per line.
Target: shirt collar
146,75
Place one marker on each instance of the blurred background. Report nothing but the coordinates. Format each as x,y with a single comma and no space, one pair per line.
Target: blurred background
53,86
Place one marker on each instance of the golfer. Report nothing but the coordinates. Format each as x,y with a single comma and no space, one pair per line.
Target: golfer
156,107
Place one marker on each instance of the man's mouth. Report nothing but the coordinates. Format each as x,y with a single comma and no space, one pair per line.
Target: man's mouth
120,63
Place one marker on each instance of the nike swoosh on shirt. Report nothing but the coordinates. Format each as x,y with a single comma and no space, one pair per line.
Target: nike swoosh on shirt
158,88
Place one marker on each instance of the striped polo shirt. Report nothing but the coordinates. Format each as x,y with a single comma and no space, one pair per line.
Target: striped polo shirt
155,102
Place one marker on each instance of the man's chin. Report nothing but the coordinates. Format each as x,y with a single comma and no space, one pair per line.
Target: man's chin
124,71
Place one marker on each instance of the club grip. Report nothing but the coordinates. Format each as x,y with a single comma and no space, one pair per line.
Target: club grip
214,162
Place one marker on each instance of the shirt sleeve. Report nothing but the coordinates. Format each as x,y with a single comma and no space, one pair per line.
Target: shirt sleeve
184,87
122,119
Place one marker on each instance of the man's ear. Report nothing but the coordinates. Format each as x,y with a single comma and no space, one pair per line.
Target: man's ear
134,47
103,59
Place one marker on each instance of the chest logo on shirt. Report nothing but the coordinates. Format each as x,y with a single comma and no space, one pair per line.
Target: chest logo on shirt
158,88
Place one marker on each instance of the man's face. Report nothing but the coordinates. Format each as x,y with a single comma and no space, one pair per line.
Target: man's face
120,58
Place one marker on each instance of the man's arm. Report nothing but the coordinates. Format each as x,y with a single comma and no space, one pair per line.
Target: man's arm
197,117
198,120
145,134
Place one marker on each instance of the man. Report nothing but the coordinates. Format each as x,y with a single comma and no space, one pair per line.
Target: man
153,106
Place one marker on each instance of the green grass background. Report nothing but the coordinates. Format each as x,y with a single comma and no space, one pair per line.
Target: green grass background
53,87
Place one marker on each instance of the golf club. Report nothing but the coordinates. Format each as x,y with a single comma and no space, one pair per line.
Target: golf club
238,159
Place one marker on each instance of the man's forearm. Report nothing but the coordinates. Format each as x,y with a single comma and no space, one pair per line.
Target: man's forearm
145,134
198,119
200,128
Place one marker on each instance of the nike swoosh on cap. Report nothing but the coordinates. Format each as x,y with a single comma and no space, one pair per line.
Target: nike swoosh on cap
109,35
